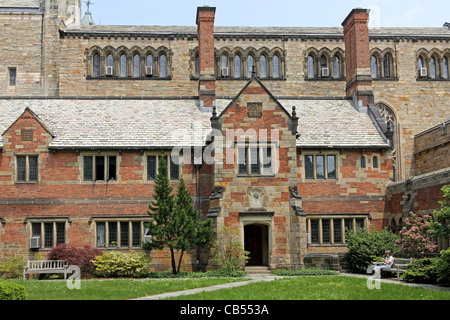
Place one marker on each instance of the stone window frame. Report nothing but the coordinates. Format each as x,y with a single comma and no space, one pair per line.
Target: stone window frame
46,220
156,53
11,69
382,57
157,154
119,220
243,54
105,154
273,146
27,168
337,164
439,57
328,55
342,220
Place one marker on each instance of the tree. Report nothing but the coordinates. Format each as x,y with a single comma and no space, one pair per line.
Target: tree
441,224
414,241
175,222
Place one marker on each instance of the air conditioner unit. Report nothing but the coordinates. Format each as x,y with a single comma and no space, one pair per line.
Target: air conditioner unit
325,72
149,70
35,242
109,71
423,72
147,239
225,72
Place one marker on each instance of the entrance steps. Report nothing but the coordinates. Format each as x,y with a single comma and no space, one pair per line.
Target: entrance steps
257,270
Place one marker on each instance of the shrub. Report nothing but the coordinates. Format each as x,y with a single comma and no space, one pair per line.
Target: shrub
421,271
12,268
207,274
227,251
365,247
121,264
414,241
304,272
81,257
443,268
12,291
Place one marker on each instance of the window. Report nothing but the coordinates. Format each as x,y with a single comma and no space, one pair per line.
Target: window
123,65
163,66
109,65
330,230
375,162
374,66
173,167
433,72
197,67
237,66
255,159
310,66
136,66
27,168
320,167
323,65
149,64
388,66
445,70
123,233
96,65
276,66
51,233
420,64
250,63
263,66
224,65
336,67
12,76
363,161
99,168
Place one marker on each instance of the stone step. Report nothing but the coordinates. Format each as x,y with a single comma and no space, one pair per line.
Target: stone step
257,269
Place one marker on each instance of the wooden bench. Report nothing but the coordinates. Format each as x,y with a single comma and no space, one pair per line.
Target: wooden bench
45,266
399,266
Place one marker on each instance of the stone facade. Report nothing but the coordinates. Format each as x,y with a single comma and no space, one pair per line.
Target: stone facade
342,139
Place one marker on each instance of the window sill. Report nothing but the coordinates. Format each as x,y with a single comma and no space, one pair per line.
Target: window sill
384,79
241,79
26,182
431,79
243,175
325,79
101,182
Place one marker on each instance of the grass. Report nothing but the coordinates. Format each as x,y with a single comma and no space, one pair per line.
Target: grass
113,289
320,288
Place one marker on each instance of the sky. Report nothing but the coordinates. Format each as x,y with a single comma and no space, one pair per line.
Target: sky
277,13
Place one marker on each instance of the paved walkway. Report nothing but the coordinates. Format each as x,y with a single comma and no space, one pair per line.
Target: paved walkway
268,277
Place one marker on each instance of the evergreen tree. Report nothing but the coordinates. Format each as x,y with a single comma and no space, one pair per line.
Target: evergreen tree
176,223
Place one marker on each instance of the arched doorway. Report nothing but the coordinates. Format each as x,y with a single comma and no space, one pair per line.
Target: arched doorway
257,244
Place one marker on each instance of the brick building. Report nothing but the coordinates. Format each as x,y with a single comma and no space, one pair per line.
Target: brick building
289,135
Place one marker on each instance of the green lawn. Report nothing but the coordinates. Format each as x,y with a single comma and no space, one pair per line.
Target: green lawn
114,289
320,288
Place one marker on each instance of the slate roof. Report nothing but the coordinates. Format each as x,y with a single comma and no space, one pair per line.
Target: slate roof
146,124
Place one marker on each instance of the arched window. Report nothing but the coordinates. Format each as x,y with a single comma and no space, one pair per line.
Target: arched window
336,67
123,65
237,66
310,66
374,66
197,66
250,63
433,67
96,65
163,66
224,65
276,66
263,66
323,65
375,162
363,161
388,66
109,65
136,66
445,68
149,65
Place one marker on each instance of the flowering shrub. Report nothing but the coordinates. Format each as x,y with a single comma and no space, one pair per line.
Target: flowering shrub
81,257
414,241
121,264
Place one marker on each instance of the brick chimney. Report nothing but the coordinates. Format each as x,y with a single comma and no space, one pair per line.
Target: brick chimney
207,77
357,56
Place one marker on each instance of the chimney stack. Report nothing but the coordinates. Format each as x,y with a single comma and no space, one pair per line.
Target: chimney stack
357,56
207,77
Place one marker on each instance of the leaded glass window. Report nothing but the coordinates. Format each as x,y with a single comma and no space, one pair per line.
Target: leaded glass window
163,66
250,63
374,67
96,65
310,66
123,65
276,66
433,68
263,66
136,66
336,67
237,66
